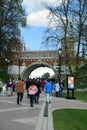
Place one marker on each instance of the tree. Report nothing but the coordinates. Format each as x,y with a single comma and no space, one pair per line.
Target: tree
12,16
59,31
46,75
79,21
69,20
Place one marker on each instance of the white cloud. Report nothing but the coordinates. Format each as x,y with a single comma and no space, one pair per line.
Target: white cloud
40,71
32,5
35,5
38,19
36,14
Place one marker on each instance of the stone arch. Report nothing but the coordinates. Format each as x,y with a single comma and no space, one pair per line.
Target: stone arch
26,72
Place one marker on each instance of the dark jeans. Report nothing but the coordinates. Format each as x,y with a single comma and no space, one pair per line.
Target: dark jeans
61,92
27,93
19,97
57,94
37,95
32,97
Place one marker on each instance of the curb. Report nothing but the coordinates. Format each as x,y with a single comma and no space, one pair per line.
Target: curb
40,120
50,118
45,121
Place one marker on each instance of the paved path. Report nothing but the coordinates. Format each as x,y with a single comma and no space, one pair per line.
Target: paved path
19,117
23,117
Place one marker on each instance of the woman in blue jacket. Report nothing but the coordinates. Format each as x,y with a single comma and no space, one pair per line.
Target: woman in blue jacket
48,90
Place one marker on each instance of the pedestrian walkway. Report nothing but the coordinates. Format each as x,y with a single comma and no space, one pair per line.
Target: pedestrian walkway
23,117
20,117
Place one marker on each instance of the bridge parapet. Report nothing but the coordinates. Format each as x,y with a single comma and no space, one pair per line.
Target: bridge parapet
38,55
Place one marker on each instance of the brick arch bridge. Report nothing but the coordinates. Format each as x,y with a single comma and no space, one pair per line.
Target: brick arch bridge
24,62
27,71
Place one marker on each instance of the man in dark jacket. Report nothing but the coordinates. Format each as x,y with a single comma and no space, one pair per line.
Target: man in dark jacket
28,82
37,96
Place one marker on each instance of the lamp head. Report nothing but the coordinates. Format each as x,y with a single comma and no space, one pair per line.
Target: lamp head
60,51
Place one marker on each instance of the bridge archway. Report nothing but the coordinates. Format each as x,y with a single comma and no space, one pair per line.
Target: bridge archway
27,71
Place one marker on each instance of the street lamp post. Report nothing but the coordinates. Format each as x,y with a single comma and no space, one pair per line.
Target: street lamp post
19,68
7,63
59,69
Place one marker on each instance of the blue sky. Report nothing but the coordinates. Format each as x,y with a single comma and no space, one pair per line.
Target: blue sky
37,21
33,37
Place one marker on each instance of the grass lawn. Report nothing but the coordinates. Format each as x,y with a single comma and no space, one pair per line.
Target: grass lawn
71,119
79,95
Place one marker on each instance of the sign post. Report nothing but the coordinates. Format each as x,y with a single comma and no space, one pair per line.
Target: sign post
70,87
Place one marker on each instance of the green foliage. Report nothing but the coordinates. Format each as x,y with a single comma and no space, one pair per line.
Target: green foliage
46,75
4,77
81,80
12,16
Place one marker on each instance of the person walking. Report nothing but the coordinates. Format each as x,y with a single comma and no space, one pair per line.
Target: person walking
4,89
48,90
19,89
27,86
32,90
1,85
42,83
10,88
61,84
57,88
37,95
